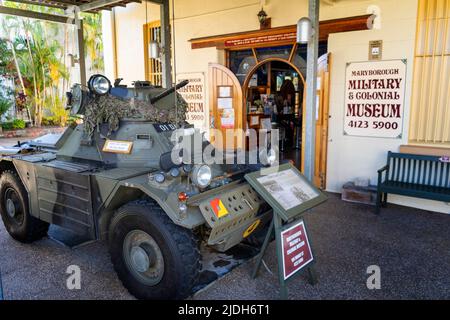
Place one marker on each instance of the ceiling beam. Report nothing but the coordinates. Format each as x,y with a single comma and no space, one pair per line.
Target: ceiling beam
94,5
56,5
84,5
36,15
157,1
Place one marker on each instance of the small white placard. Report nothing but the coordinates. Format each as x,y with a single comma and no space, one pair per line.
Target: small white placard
266,124
224,92
116,146
225,103
288,188
254,120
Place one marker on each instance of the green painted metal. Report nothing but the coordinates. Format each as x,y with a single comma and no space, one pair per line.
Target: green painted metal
426,177
281,220
292,213
79,186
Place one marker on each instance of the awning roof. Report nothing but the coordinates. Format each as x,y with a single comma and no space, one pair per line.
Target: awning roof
92,6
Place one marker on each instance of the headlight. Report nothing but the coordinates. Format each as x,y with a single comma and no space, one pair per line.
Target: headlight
99,84
201,176
76,100
187,168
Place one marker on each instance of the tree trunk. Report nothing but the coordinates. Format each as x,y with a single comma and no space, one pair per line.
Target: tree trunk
36,97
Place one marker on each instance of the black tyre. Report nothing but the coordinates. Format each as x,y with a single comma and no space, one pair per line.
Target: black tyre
256,239
14,210
153,257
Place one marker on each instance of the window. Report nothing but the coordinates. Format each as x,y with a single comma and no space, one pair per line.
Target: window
153,67
430,103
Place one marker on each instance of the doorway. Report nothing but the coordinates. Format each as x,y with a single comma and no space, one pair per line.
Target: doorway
273,99
271,76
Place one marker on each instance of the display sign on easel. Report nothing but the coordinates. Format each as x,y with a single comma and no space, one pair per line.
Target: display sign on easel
290,195
295,248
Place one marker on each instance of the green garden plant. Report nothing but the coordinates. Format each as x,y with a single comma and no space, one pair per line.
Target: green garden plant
16,124
37,58
5,105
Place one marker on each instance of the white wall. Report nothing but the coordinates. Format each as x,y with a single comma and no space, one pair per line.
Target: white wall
129,40
352,157
348,157
108,47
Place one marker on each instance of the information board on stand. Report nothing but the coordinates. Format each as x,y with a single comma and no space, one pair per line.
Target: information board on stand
290,195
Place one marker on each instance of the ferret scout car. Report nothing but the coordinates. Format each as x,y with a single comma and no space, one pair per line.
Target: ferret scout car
112,178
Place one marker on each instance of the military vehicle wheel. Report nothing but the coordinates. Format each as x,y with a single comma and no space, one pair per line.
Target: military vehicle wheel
14,210
257,238
153,257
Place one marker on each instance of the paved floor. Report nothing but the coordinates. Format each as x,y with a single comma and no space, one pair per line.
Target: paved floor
411,247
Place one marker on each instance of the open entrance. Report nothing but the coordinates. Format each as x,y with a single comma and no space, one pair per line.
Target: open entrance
268,91
246,50
274,95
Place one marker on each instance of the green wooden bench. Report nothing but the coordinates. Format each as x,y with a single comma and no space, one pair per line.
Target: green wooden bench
426,177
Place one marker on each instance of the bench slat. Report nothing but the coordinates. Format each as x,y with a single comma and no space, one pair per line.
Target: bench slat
426,177
420,172
436,174
398,170
404,165
394,165
447,176
423,170
430,174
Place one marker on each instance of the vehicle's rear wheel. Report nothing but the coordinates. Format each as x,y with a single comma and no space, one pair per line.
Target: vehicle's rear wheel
256,239
14,210
153,257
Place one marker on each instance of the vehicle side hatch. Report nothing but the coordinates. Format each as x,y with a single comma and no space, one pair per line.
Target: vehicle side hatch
64,196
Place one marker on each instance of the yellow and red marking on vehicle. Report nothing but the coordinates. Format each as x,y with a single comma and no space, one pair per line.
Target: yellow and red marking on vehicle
218,208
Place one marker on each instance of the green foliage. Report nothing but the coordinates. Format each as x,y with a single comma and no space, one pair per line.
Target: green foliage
72,120
50,121
4,106
6,61
19,124
56,121
16,124
93,40
59,114
41,73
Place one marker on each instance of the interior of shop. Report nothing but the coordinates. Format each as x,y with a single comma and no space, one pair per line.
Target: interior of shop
274,91
274,100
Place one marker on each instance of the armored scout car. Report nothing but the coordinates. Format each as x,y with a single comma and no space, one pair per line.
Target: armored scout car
111,177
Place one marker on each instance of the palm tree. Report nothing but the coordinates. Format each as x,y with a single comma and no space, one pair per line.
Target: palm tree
93,40
40,62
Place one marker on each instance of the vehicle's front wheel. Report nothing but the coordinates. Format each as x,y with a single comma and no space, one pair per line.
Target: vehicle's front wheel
14,210
153,257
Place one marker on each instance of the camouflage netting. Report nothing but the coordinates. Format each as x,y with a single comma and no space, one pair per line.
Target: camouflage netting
110,109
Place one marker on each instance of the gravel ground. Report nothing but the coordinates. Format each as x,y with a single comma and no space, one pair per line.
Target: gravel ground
412,248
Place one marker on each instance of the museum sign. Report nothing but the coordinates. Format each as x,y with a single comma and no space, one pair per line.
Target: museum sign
374,98
194,94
